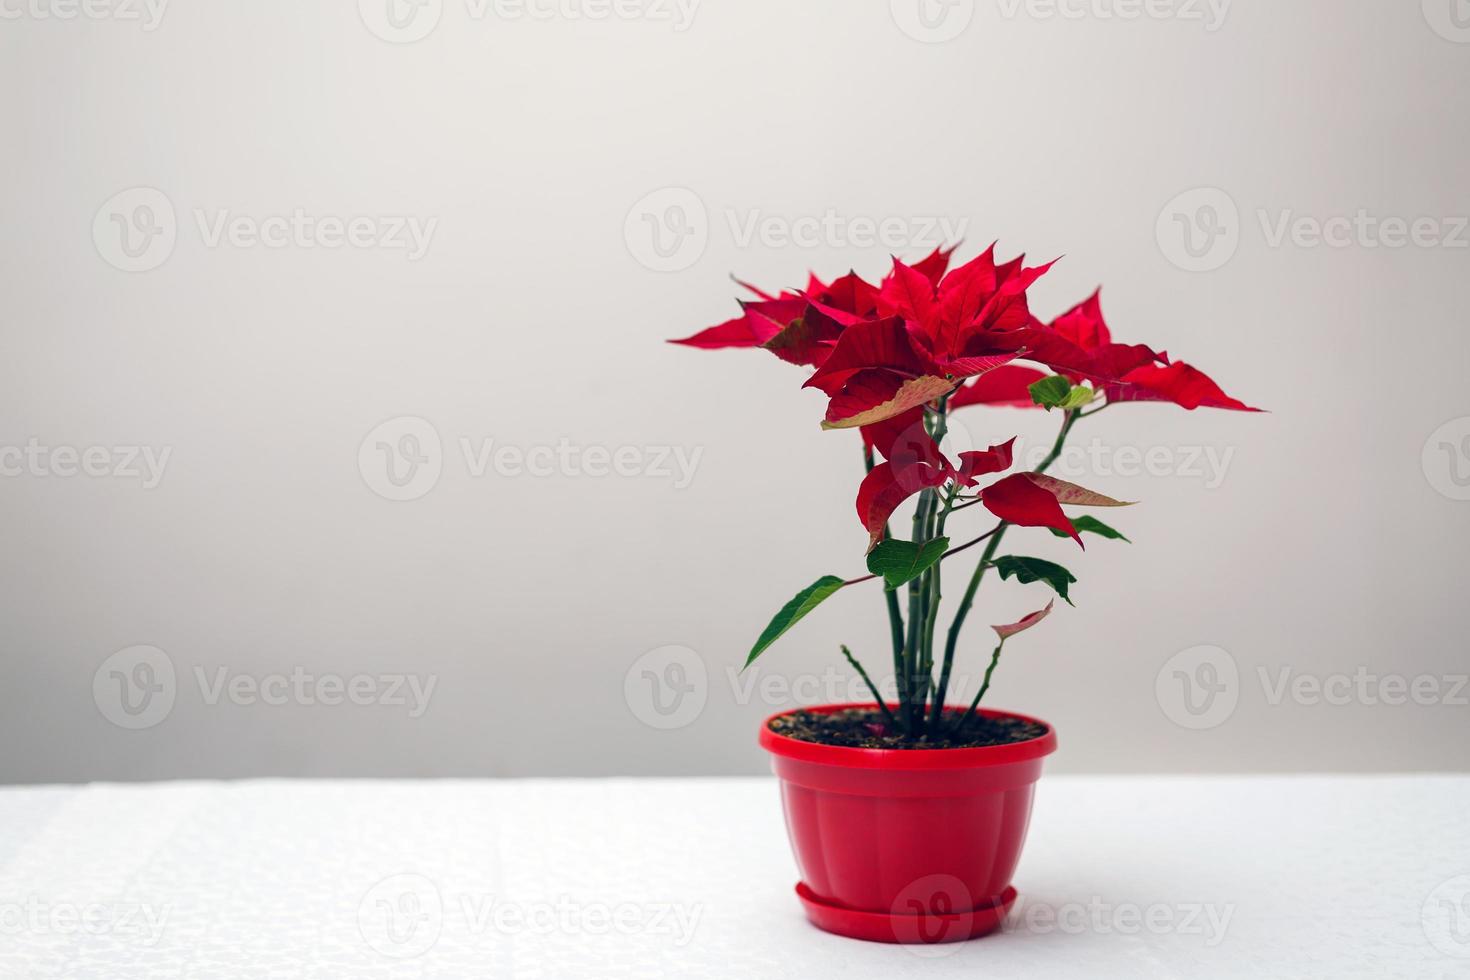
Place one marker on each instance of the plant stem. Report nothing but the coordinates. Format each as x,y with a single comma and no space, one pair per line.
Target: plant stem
871,686
895,624
917,595
935,595
984,686
890,598
933,528
963,610
1056,447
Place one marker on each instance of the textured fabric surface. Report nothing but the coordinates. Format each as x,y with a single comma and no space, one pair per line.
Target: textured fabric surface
609,879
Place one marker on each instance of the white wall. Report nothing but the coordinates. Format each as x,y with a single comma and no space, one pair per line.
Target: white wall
1328,548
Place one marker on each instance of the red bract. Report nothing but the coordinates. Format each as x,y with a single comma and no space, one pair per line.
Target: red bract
874,395
936,263
1178,383
1026,622
886,486
968,313
912,462
1020,501
996,459
848,300
1071,493
1079,344
903,440
934,330
872,345
808,338
759,321
875,372
786,325
1084,325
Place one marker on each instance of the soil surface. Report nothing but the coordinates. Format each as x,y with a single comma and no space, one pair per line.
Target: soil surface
866,728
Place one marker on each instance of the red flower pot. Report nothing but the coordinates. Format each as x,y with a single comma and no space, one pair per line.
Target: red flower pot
906,845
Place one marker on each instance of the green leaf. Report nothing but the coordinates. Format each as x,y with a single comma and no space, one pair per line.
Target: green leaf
1028,570
1078,397
1091,524
1050,392
1057,392
804,602
903,561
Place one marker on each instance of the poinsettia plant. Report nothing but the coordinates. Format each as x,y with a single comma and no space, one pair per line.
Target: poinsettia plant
894,360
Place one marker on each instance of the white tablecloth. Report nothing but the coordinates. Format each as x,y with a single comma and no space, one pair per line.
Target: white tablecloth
1123,877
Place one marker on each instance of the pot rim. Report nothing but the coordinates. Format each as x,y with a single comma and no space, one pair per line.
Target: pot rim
858,758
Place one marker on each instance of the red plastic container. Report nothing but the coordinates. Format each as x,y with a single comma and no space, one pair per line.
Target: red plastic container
907,846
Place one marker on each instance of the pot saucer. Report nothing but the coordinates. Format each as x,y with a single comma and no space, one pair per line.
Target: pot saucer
923,928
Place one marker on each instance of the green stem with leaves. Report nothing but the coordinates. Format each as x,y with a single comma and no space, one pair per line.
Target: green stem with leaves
963,610
913,639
